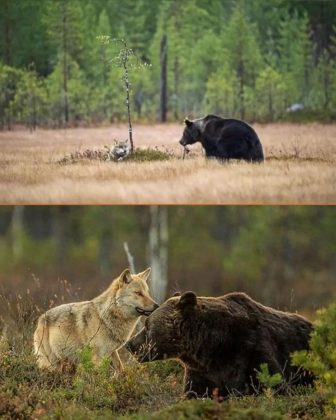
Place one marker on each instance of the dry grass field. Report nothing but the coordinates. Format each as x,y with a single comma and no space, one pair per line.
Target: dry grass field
299,168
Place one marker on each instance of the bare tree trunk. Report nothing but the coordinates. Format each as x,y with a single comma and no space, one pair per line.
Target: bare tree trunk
65,68
158,248
241,73
7,37
130,258
176,87
59,221
163,79
7,34
127,86
17,231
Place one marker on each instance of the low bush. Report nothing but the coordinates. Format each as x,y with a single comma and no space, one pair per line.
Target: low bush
321,358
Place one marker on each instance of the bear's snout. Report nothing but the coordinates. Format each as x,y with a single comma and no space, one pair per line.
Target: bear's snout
135,343
129,347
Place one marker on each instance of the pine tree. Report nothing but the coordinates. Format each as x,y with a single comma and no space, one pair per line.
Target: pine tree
64,21
243,54
295,56
29,102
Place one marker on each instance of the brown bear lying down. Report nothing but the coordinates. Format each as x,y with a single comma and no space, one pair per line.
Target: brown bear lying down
223,341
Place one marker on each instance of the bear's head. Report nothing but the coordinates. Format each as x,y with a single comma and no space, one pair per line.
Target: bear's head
162,336
191,133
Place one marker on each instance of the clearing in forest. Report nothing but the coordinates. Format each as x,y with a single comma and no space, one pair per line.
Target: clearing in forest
299,168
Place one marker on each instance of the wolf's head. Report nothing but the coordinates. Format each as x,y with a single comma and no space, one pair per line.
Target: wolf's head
132,294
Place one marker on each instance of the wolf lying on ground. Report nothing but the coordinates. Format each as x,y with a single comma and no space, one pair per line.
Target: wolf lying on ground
104,323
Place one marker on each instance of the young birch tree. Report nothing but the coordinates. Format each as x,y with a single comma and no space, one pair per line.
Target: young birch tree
126,60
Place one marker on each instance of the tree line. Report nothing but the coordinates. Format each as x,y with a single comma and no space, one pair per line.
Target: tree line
238,58
282,256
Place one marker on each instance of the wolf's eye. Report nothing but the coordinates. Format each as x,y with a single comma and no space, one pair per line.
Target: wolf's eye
138,293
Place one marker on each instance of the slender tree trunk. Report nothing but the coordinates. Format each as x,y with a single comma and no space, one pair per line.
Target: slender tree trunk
59,221
128,105
158,247
17,231
104,81
163,79
7,34
270,105
326,85
65,67
176,87
241,72
130,258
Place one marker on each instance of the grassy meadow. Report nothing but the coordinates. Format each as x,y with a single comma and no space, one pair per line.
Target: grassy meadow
299,168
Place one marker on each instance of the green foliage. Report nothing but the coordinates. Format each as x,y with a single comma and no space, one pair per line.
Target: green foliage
9,81
85,363
240,59
270,92
265,251
148,155
321,358
29,104
266,379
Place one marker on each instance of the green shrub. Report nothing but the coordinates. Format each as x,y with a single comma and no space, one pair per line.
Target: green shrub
321,358
139,155
266,379
147,155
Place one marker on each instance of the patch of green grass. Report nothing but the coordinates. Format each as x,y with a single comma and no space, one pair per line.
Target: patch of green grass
141,392
301,405
89,392
138,155
148,155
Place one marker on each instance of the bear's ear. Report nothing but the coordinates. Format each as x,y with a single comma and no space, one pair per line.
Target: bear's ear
125,277
187,301
187,122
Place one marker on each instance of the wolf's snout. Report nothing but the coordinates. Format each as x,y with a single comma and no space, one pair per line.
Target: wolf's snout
146,312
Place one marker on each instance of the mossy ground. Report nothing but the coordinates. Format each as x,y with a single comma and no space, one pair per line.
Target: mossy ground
139,155
148,391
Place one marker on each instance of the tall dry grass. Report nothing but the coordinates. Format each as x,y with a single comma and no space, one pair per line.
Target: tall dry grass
299,169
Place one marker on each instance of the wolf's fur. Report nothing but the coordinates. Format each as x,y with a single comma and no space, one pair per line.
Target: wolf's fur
104,323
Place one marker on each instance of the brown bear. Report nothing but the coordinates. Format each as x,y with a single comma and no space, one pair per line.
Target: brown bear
223,138
222,341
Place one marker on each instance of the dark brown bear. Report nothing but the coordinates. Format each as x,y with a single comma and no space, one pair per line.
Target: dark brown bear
224,138
223,341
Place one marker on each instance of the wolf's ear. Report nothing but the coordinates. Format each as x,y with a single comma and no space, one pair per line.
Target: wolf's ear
125,277
187,122
187,301
145,274
176,294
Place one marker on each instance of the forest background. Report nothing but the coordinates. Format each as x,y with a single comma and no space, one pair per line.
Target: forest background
246,59
281,256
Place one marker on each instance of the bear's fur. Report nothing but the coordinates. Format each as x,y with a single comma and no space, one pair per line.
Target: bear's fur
224,138
223,341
